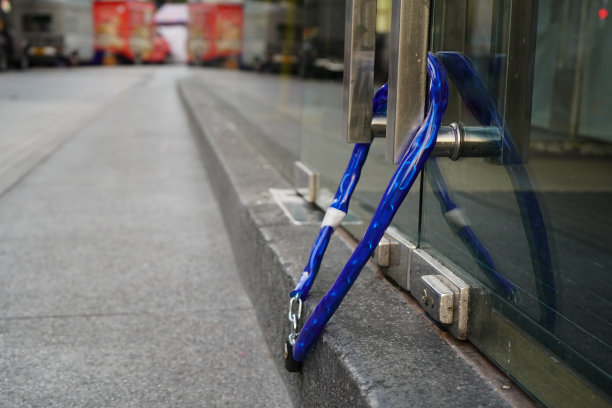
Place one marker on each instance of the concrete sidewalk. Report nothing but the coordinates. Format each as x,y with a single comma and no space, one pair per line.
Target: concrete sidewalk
117,283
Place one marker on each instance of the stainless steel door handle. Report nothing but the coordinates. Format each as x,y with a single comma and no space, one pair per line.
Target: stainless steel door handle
407,72
358,86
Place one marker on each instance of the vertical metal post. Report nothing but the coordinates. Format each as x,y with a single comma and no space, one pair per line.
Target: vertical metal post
519,75
448,34
359,42
407,73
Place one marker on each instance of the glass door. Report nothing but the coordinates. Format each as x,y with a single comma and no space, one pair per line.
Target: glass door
542,213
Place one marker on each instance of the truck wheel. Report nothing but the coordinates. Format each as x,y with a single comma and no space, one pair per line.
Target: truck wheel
24,62
258,65
73,59
137,59
3,62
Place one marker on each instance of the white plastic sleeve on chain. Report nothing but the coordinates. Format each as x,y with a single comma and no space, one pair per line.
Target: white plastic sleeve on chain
333,218
456,218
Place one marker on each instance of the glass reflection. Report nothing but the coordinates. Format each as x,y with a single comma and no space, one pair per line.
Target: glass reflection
542,212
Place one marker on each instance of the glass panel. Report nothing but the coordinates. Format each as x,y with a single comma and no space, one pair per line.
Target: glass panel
323,146
534,230
264,97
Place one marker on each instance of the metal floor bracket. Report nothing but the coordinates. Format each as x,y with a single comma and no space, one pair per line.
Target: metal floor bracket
442,293
306,181
393,254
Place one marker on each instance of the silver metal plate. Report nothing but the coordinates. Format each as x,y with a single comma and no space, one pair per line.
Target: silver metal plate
423,264
393,254
295,207
417,271
436,298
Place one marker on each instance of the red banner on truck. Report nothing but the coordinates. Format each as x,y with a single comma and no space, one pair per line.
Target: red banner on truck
215,31
125,29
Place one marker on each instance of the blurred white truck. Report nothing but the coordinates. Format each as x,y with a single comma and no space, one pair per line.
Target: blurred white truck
58,31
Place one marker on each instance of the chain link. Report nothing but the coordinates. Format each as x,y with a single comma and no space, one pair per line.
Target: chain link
294,317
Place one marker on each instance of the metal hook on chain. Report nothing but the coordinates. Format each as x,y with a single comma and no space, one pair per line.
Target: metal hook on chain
294,317
291,364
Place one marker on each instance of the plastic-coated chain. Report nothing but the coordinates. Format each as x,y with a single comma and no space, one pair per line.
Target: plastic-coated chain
403,178
339,205
483,108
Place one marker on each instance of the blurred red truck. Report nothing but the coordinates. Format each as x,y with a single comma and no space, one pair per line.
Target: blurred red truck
125,29
214,32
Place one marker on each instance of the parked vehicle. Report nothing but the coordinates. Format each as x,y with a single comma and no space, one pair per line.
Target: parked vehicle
214,32
161,52
125,30
13,47
272,36
56,31
323,43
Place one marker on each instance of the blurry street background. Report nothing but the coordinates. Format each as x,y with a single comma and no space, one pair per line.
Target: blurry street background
117,282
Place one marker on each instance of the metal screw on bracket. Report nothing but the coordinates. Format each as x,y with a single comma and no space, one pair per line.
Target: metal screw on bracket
437,298
425,297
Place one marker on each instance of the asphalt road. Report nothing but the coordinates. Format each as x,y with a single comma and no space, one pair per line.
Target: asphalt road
118,287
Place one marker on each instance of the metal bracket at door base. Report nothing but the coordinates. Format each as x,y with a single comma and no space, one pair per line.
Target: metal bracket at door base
393,253
306,181
443,294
